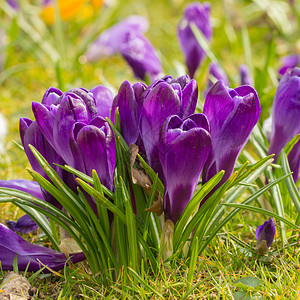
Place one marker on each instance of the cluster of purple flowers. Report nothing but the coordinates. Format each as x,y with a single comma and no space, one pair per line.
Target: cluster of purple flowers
70,128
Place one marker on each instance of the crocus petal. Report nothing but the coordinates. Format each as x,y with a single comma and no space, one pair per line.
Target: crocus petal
28,186
141,56
232,114
288,62
189,98
245,76
24,225
286,111
159,103
183,153
127,104
266,232
198,14
109,42
51,95
97,146
103,99
218,73
70,111
45,116
12,245
294,160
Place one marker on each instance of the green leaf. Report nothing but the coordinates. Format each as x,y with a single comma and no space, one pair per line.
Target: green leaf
193,205
248,282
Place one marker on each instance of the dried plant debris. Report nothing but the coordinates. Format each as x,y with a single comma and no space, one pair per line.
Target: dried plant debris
15,287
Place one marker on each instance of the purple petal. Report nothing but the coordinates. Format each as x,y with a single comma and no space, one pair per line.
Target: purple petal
51,96
189,98
103,99
232,116
199,14
45,117
218,73
266,232
28,186
24,225
70,111
127,104
288,62
109,42
12,245
294,160
190,148
141,56
97,146
286,106
245,76
161,102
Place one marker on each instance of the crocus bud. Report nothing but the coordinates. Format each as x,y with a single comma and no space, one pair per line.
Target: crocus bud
218,73
245,76
286,111
129,101
13,246
232,114
141,56
288,62
184,148
265,234
198,14
109,42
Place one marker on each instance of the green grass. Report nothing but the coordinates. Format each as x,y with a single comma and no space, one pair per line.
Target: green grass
244,32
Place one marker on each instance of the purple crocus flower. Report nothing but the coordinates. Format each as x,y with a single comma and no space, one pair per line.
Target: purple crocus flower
245,76
58,119
218,73
288,63
232,114
198,14
12,245
163,98
286,106
184,147
266,232
285,115
141,56
110,41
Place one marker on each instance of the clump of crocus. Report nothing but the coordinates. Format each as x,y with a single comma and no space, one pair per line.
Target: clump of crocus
288,63
232,114
265,234
285,116
199,15
245,76
127,38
